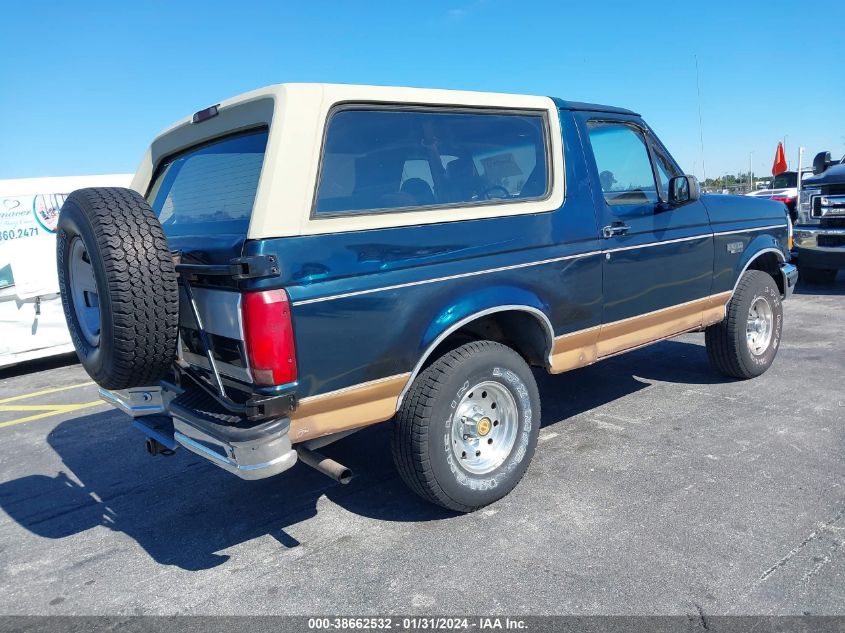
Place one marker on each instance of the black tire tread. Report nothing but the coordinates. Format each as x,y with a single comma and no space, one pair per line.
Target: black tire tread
411,426
721,339
143,294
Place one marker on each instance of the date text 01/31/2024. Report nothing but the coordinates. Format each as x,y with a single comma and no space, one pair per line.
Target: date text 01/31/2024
419,623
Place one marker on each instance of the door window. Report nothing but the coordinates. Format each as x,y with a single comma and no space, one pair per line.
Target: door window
623,163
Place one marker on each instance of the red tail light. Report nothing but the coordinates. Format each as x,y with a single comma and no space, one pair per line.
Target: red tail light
268,333
786,200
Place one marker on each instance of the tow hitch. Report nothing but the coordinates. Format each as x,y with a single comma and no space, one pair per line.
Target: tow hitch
154,447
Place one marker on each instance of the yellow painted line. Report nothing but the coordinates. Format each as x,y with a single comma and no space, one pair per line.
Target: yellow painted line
36,407
45,392
54,410
30,407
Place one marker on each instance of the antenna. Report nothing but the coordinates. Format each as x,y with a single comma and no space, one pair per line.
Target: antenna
700,126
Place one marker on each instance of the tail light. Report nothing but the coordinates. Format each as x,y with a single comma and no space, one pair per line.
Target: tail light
268,334
785,199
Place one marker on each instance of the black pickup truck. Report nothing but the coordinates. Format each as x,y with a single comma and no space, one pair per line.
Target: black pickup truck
820,230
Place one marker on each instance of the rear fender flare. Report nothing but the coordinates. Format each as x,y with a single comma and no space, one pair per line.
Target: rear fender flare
475,306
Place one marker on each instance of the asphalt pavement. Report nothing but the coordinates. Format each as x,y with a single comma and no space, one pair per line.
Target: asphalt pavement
658,487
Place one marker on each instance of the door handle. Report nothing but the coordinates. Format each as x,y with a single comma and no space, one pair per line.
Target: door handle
617,228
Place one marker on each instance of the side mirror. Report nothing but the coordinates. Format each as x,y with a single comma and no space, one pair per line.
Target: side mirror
821,162
683,189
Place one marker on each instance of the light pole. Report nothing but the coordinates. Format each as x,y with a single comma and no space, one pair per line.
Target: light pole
751,172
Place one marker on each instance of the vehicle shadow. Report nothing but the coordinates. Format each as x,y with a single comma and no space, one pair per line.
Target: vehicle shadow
836,288
184,511
41,364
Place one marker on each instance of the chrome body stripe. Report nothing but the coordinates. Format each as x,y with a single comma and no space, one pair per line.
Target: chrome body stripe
649,244
409,284
446,278
756,228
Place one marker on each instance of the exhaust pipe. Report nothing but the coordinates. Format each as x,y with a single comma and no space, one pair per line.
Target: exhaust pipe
325,465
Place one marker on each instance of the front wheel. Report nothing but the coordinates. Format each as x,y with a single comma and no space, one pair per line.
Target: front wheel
467,428
745,343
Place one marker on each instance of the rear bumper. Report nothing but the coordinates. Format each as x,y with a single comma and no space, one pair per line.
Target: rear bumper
246,449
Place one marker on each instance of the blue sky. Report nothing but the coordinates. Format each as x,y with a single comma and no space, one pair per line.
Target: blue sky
86,85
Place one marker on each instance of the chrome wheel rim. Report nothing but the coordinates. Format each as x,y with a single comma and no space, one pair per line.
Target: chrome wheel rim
484,427
758,328
83,288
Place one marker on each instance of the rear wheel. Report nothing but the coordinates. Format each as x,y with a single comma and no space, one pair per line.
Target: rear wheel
817,275
118,286
468,426
745,343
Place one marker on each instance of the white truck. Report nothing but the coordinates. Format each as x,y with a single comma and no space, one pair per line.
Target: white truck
32,322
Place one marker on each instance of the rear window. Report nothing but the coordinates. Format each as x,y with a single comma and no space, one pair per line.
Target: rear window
210,189
393,160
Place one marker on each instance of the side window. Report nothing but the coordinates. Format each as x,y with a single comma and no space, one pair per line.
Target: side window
391,159
623,163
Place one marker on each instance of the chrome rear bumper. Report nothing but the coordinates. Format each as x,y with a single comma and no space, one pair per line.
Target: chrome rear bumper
250,452
249,458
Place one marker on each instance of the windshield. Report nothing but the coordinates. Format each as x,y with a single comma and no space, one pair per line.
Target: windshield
210,189
785,180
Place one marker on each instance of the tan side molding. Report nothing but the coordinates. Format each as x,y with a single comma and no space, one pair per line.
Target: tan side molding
378,400
344,409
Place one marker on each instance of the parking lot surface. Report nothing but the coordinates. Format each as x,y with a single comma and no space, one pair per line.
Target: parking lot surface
658,487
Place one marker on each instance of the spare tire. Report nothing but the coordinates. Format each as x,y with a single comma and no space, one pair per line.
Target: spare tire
118,285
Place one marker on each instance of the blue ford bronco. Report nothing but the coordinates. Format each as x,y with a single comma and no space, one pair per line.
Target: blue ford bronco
305,260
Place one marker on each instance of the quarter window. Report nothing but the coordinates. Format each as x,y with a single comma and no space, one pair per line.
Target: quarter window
623,164
666,169
394,160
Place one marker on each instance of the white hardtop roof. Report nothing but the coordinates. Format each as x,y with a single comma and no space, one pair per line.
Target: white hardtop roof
364,92
296,115
60,184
